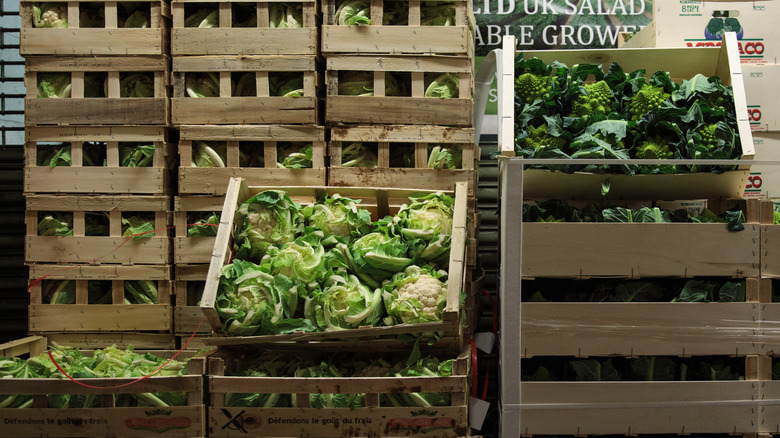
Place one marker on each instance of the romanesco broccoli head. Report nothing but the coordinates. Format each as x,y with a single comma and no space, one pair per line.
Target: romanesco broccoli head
655,148
707,133
597,100
709,216
529,87
539,138
646,99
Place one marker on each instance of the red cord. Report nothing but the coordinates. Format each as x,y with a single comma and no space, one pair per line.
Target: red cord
51,356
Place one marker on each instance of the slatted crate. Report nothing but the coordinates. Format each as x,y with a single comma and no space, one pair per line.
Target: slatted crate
261,141
110,35
189,282
380,202
107,420
372,420
411,107
264,108
391,144
113,108
633,250
187,211
231,38
102,249
83,176
416,34
85,314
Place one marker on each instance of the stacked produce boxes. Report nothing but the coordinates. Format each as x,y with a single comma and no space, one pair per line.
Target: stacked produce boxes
96,176
652,325
246,89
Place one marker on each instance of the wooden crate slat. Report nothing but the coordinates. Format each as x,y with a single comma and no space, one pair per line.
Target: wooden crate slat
248,110
146,341
389,110
99,317
260,41
103,111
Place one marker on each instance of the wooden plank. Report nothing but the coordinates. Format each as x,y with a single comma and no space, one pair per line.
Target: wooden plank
639,250
769,415
435,64
101,111
103,272
398,40
215,180
98,202
99,317
770,254
244,110
91,42
97,63
222,62
274,422
770,328
50,249
389,110
568,408
31,345
130,180
338,385
35,386
244,41
252,132
639,329
430,179
146,341
403,134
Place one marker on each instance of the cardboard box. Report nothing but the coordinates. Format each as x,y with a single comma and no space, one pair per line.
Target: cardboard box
762,86
697,23
764,179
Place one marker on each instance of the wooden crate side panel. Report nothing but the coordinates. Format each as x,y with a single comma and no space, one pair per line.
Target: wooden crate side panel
639,250
255,41
215,180
389,110
403,134
429,179
96,133
104,272
770,329
443,421
50,249
90,42
146,341
769,415
187,319
252,133
192,249
99,317
244,110
176,421
96,111
146,180
397,39
770,253
552,408
639,329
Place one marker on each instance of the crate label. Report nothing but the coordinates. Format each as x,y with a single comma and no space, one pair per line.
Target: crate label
478,410
485,341
94,421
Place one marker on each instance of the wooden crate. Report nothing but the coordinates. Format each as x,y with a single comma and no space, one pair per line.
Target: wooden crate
373,420
380,202
632,250
769,318
411,38
258,40
188,289
110,110
769,416
107,420
261,109
146,341
213,180
770,237
111,178
385,140
111,39
644,328
414,109
111,249
98,318
681,63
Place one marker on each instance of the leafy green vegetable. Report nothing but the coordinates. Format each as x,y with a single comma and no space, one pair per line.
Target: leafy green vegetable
54,155
302,259
437,13
286,84
414,295
285,15
294,155
136,155
206,17
136,85
357,154
202,224
212,154
138,225
344,303
50,15
92,15
55,224
425,224
339,217
134,15
445,156
54,85
444,85
353,13
246,85
202,84
140,292
356,83
375,257
268,218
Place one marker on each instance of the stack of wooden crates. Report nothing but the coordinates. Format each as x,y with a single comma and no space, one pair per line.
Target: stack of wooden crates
95,123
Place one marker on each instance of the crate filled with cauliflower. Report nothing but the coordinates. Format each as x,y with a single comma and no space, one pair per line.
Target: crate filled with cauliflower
398,27
97,90
298,264
404,90
94,28
242,27
320,393
246,90
263,155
